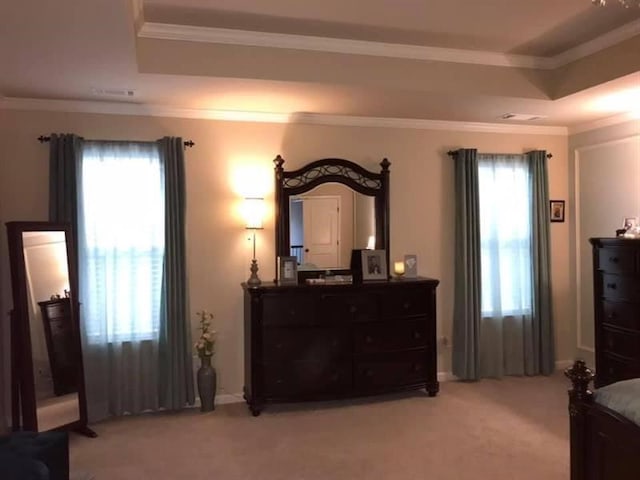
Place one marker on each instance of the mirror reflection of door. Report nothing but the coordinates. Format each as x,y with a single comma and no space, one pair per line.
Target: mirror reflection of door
321,231
53,353
329,221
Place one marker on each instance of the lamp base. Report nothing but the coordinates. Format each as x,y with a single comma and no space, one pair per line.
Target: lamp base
254,280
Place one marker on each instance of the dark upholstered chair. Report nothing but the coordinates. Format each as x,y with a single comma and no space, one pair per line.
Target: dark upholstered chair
34,456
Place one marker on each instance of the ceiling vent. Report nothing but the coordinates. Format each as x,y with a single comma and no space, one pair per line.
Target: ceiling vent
521,117
113,92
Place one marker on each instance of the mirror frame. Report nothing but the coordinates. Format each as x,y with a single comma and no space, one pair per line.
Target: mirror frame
331,170
24,408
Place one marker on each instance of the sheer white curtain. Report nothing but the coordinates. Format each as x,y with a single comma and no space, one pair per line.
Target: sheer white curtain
506,262
121,249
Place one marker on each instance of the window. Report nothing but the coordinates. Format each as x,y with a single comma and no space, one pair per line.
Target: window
505,234
121,237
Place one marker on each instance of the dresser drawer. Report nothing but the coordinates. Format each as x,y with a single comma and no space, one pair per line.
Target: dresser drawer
386,336
621,314
620,287
349,308
57,309
617,259
616,369
288,310
625,344
305,378
320,344
390,370
405,302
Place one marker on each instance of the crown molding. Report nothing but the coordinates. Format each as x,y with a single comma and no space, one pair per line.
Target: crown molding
422,124
607,40
121,108
227,36
605,122
137,12
189,33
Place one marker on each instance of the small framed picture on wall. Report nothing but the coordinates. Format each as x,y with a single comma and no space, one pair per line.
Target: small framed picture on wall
556,210
287,271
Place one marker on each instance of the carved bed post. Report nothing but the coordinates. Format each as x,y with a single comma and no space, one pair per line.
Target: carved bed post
580,398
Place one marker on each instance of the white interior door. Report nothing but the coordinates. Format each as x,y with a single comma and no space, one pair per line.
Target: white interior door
321,231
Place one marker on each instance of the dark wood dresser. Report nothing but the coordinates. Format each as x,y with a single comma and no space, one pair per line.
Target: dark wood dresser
312,342
59,338
616,267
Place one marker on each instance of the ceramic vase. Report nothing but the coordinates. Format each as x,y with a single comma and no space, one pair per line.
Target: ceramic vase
206,384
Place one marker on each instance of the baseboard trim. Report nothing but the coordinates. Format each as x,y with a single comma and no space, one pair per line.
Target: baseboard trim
227,398
446,377
562,364
223,399
449,376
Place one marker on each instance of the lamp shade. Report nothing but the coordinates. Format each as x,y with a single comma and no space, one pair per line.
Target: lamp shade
254,212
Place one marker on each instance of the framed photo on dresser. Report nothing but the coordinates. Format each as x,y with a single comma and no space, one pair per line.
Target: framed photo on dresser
374,265
410,266
287,271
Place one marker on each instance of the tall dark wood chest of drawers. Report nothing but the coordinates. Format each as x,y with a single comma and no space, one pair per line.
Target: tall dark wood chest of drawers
313,342
59,338
616,266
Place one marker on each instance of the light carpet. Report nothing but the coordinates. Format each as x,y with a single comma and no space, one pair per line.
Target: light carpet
510,429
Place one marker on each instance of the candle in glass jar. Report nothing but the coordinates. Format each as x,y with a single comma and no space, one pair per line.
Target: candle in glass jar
398,268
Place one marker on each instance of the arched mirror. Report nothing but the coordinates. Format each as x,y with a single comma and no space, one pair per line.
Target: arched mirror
327,208
47,373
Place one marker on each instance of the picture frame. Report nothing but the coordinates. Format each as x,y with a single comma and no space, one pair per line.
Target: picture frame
629,223
374,265
287,271
556,210
410,266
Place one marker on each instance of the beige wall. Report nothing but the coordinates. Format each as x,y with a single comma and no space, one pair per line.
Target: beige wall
604,207
422,206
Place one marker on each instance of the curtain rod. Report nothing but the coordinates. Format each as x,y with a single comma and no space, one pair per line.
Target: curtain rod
451,153
44,139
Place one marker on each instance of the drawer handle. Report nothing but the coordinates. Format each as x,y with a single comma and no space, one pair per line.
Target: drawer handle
417,335
416,367
610,342
353,309
612,286
614,259
368,339
612,316
406,305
